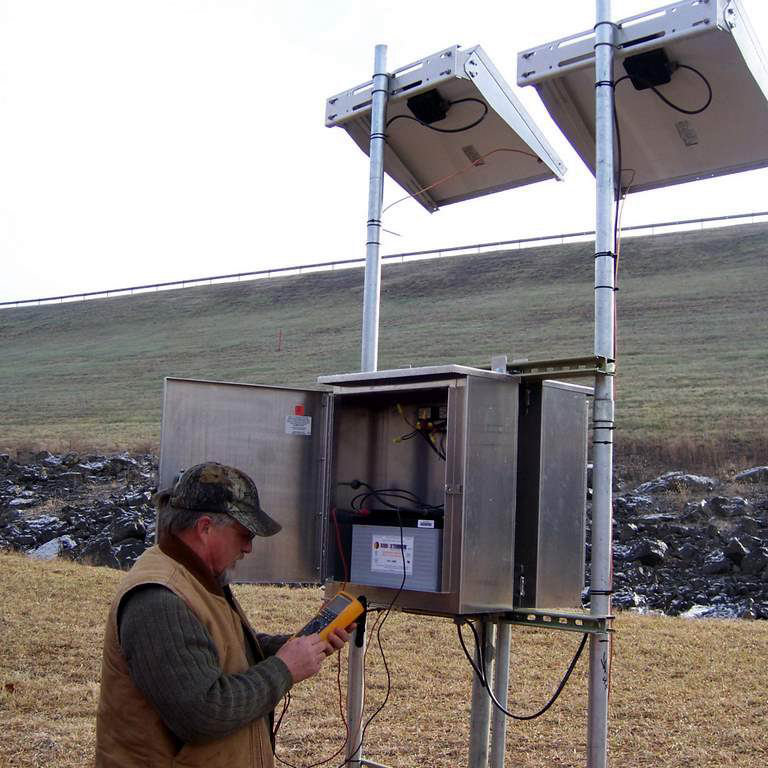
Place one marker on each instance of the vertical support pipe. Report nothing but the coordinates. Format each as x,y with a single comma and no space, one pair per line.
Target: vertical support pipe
500,688
356,697
480,715
371,290
369,359
603,413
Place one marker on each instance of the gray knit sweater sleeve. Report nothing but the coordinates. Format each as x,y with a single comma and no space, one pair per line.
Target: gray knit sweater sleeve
172,660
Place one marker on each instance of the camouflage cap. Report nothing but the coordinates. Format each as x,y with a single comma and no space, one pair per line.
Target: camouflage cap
213,487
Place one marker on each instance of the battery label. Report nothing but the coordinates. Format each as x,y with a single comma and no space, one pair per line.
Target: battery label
298,425
387,554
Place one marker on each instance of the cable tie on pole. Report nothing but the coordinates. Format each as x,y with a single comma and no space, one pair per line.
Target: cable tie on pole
609,23
378,135
612,288
609,83
602,442
591,591
600,254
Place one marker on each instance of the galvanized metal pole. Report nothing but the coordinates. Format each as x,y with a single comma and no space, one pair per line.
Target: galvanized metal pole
371,290
500,689
480,715
603,413
355,698
369,359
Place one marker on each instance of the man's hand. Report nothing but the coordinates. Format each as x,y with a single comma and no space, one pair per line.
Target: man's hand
338,637
304,655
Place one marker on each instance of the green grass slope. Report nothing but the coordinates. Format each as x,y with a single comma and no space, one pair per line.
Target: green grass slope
692,329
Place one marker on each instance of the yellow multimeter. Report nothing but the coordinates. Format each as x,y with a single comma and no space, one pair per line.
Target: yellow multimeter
340,611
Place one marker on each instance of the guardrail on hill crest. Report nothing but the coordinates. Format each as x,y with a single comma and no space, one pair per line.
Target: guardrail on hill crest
474,249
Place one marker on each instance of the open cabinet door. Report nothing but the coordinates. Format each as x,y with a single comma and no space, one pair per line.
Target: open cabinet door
276,435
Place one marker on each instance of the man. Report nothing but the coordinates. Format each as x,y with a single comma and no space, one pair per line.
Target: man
185,680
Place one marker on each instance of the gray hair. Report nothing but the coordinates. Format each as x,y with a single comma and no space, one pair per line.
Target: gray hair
174,520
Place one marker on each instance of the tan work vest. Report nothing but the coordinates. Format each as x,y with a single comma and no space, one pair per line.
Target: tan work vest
129,732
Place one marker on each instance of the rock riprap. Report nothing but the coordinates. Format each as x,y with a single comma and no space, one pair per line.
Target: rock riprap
694,546
94,509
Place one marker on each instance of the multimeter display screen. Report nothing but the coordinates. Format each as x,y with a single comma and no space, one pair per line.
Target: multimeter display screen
337,605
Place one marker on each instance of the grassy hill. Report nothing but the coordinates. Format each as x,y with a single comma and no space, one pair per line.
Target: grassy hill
683,693
692,330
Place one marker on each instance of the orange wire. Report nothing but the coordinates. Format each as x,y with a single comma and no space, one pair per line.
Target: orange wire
473,164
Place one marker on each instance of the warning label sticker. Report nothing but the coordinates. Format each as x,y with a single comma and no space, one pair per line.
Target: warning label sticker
298,425
387,554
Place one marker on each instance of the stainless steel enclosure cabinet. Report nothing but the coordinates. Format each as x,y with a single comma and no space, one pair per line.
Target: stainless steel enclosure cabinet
551,494
306,449
464,547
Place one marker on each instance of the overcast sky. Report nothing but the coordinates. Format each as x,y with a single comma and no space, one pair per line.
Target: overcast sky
149,140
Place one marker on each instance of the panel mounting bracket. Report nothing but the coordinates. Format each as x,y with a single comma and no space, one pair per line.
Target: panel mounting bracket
560,368
569,622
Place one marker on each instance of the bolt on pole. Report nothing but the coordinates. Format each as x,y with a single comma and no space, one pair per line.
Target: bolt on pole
601,584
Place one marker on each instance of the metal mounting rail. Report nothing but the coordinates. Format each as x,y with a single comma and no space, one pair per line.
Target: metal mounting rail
561,368
570,622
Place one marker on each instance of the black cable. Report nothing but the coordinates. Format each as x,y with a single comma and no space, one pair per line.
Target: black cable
395,493
679,108
482,675
286,704
291,765
418,430
431,444
617,185
422,433
618,190
669,103
445,130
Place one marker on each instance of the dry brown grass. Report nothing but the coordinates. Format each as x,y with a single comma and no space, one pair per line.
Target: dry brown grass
684,693
717,455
